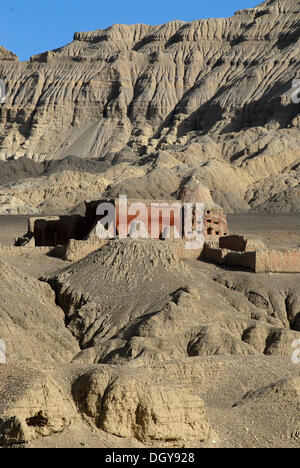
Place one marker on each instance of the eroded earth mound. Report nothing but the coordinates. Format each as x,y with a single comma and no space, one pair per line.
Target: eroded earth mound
132,346
163,308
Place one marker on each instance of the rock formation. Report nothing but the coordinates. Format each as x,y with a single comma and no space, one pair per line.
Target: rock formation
136,345
210,97
39,333
177,301
7,55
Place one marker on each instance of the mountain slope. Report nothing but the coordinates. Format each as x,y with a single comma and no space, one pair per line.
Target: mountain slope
192,93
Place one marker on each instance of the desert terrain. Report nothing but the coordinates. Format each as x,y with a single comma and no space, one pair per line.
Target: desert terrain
217,347
131,344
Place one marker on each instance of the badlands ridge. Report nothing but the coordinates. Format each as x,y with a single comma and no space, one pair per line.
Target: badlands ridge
137,109
133,345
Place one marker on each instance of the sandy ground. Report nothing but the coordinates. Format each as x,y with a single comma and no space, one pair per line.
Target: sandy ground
276,231
246,428
12,227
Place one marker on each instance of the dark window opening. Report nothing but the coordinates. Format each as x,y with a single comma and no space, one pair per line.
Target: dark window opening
37,421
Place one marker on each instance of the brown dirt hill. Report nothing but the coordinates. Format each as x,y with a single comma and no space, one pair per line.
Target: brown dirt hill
172,353
217,401
31,325
135,302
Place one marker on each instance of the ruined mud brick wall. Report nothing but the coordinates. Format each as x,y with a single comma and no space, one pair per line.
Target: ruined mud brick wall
215,222
154,225
240,244
245,260
57,231
75,250
180,250
212,254
277,261
92,217
259,260
53,231
226,257
234,242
